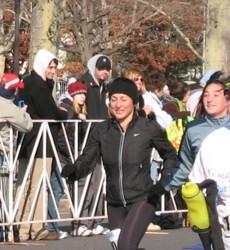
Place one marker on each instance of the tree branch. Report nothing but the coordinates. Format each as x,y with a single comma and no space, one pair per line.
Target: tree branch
177,29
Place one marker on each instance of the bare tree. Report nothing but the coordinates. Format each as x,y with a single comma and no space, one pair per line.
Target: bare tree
100,26
87,27
106,26
45,14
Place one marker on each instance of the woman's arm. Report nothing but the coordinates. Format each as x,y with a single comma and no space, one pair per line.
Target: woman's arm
86,162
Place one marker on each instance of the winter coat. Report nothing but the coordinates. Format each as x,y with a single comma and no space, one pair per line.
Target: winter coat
96,92
193,138
162,117
63,151
171,106
126,158
37,94
12,115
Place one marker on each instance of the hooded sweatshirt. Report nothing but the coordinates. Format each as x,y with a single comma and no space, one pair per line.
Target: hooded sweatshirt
96,91
91,65
195,134
37,94
42,61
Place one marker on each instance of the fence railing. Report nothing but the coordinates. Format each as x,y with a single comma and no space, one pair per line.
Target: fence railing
9,205
60,88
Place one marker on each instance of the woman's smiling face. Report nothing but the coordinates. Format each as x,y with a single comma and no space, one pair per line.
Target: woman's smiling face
214,101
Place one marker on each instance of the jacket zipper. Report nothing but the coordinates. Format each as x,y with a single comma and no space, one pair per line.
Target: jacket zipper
120,167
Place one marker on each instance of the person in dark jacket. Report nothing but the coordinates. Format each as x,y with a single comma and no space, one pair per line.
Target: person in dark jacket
125,144
96,80
74,103
37,95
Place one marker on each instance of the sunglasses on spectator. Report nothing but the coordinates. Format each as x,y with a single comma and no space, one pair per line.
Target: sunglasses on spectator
139,79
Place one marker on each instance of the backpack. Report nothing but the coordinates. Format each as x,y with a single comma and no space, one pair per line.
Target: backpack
176,129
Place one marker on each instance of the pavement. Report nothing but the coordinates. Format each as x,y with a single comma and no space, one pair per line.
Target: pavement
175,239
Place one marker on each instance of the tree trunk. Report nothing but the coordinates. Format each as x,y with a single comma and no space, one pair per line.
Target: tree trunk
42,24
2,56
217,49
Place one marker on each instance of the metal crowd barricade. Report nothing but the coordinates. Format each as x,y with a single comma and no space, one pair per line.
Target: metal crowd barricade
9,204
60,88
6,182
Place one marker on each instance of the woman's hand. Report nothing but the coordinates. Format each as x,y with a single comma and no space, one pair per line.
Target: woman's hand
147,109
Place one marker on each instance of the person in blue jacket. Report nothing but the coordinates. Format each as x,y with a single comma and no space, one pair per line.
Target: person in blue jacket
215,106
214,115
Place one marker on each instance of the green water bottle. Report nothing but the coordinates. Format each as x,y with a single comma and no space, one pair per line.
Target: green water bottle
197,207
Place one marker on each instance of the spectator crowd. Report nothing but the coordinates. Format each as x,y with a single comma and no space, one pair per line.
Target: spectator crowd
154,134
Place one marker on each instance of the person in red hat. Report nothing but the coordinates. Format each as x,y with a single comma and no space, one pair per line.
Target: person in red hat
78,91
75,105
10,114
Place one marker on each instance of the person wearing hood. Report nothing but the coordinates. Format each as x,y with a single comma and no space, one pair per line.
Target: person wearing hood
37,94
10,114
96,81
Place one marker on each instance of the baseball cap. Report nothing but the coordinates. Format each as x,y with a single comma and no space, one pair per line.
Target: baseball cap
103,62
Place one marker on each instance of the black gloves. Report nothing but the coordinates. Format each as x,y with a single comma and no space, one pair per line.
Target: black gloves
68,171
155,192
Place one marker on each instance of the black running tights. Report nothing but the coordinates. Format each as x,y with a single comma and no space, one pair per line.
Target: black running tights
133,221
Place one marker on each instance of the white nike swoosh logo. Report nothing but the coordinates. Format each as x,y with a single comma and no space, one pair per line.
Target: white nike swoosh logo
136,134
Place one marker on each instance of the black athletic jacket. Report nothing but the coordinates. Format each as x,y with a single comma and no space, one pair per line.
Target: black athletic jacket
126,158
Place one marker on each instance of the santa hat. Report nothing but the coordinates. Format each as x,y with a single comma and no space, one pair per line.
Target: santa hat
77,88
11,81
